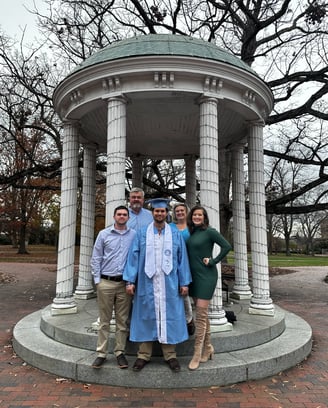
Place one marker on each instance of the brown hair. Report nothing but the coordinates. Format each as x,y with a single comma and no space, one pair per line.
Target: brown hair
191,225
121,207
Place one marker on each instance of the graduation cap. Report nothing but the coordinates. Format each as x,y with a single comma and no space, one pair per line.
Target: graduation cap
159,202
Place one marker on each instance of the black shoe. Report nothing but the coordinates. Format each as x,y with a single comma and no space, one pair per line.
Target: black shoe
99,361
122,362
174,364
191,327
139,364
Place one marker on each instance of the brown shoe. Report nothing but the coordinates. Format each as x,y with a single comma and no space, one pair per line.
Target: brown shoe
139,364
174,365
122,362
99,361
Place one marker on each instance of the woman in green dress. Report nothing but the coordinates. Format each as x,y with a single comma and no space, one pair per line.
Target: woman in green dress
204,277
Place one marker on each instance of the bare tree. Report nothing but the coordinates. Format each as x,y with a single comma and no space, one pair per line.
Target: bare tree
310,227
283,40
23,202
26,84
302,148
30,145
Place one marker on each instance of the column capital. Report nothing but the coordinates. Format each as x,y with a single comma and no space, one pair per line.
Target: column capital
137,157
90,145
190,157
253,123
205,99
119,98
238,145
67,121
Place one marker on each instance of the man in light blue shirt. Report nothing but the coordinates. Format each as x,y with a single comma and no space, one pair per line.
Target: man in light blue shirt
107,264
139,216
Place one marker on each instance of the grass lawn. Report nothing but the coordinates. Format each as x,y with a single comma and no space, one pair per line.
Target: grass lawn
48,254
36,254
282,261
297,260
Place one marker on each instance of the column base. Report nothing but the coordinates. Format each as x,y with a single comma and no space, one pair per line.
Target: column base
263,310
219,322
63,306
217,327
84,294
240,295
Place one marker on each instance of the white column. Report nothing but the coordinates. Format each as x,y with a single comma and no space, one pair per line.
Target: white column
85,289
64,302
137,172
209,191
241,288
190,162
116,155
261,303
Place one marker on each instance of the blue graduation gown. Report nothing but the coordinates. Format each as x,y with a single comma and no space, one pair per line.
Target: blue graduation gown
168,325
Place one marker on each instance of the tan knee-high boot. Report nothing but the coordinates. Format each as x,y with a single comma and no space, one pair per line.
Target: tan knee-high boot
208,349
201,318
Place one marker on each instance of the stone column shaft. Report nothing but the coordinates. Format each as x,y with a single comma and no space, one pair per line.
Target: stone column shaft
209,191
209,165
241,288
64,302
137,172
261,303
116,155
190,181
85,289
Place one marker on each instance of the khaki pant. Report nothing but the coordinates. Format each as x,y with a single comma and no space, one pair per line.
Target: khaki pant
112,297
146,349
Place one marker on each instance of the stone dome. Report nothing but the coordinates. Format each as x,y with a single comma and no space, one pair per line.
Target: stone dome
163,44
162,78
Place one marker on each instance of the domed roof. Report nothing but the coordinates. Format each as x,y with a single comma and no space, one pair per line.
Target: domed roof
163,44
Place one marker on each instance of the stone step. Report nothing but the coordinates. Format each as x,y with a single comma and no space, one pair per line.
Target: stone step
270,357
250,330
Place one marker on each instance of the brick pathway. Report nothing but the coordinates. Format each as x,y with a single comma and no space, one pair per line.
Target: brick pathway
304,386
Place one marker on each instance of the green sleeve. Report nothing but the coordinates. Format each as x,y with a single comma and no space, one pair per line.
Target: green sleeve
223,244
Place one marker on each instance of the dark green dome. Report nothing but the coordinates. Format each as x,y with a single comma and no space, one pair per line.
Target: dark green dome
163,44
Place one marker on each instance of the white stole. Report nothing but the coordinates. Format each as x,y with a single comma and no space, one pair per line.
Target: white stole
150,251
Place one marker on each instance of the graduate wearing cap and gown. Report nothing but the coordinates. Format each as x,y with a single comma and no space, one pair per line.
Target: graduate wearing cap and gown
157,274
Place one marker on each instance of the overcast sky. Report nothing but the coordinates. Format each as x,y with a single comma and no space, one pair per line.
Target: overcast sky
14,17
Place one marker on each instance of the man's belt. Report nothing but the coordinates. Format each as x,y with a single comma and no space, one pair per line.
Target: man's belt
117,278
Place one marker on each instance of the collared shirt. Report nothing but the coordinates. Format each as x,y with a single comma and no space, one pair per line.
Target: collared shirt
110,252
142,219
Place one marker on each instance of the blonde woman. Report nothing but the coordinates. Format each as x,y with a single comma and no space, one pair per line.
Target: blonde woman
180,212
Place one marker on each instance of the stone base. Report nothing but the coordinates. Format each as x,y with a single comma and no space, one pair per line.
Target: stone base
258,346
63,310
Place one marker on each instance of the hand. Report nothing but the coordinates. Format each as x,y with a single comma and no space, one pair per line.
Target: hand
130,289
184,290
206,261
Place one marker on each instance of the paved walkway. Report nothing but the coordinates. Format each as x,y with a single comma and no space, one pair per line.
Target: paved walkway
304,386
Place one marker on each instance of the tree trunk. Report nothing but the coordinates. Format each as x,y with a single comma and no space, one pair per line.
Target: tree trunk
22,235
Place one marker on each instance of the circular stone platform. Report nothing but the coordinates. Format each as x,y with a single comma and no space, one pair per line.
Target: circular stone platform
257,347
